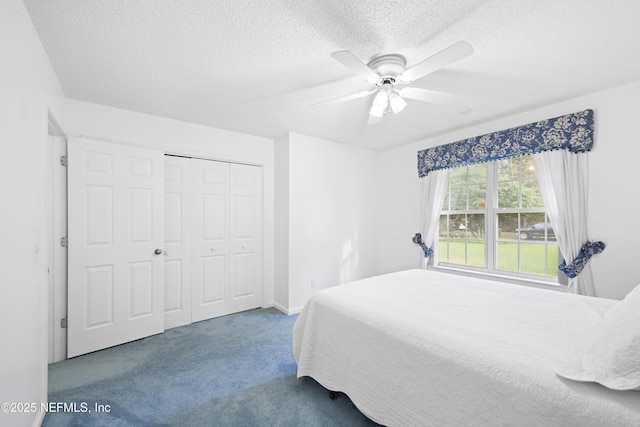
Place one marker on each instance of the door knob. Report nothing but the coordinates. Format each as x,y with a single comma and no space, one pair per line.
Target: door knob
158,251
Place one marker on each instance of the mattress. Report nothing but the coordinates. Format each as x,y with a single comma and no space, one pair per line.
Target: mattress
423,348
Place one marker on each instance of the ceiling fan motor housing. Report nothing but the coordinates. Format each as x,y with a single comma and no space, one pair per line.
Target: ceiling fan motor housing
389,67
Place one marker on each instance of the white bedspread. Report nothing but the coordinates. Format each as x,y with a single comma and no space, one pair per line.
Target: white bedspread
422,348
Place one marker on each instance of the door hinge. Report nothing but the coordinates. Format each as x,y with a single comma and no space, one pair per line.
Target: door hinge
63,323
64,242
63,160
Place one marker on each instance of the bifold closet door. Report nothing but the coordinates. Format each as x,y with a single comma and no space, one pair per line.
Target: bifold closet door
210,239
245,235
226,238
115,231
178,203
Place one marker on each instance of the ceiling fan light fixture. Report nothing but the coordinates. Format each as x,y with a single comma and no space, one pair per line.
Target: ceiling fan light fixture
396,103
380,103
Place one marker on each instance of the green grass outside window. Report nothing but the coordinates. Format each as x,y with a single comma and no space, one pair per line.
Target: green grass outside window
531,256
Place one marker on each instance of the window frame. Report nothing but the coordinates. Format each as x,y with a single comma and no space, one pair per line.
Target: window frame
491,213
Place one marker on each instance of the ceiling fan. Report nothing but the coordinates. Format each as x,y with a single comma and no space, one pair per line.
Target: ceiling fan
389,74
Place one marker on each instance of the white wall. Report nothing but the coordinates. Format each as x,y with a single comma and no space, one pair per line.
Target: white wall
331,234
281,257
27,83
613,203
87,120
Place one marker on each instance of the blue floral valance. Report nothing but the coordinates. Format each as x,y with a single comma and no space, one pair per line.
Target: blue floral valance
573,132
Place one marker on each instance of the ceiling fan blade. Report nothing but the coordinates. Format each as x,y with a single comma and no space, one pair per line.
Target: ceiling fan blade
447,56
427,95
353,63
357,95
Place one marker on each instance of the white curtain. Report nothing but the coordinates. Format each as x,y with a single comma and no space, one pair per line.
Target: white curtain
563,179
434,187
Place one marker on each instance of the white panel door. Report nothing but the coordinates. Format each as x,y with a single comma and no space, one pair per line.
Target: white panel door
245,287
210,239
115,228
177,236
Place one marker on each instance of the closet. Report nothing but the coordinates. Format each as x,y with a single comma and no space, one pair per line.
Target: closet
157,241
213,244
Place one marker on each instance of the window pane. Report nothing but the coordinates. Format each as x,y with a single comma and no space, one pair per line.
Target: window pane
509,194
527,168
533,257
476,240
477,196
508,169
443,242
477,173
445,203
456,251
462,239
443,250
475,253
532,226
523,248
507,256
552,259
475,226
507,225
518,184
458,198
509,183
443,233
458,226
458,176
444,229
531,197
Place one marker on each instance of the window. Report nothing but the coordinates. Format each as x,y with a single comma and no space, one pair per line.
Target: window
493,220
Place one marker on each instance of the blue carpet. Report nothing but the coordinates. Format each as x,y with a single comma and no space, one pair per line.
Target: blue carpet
235,370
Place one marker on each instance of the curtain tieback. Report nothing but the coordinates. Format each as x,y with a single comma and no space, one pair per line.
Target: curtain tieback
417,239
586,251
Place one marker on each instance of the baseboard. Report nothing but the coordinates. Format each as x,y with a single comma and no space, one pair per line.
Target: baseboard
283,309
295,310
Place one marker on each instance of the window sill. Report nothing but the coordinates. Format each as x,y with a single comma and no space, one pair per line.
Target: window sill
541,284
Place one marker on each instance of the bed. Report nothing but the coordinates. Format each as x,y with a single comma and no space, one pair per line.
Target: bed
424,348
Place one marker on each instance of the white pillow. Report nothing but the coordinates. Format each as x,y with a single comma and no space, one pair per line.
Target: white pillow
613,357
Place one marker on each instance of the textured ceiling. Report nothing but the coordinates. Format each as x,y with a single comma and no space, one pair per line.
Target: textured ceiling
257,66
